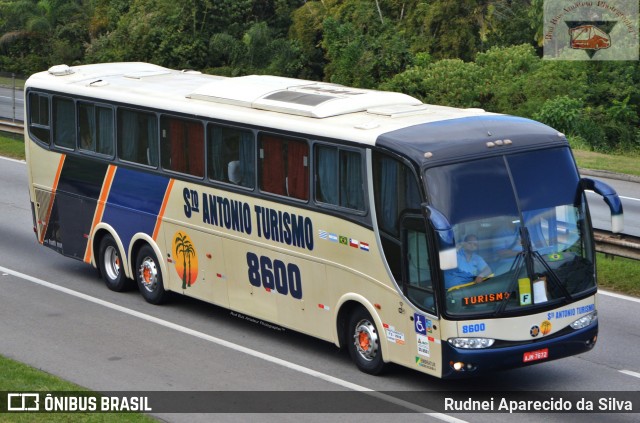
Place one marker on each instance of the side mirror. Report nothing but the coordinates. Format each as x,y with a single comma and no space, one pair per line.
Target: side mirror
446,238
610,197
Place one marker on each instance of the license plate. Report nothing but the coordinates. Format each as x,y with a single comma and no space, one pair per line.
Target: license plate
535,355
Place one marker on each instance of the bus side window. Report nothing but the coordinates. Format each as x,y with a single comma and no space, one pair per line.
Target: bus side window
231,155
396,191
284,166
182,144
339,178
39,116
64,126
138,137
95,124
418,285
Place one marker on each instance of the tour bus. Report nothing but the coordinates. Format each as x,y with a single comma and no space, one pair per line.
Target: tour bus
455,242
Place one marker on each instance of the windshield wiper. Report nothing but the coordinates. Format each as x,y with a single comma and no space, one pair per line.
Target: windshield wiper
556,280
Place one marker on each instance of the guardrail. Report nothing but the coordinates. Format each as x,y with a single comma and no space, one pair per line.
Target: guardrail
11,126
617,244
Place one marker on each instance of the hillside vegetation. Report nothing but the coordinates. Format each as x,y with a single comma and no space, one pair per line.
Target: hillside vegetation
468,53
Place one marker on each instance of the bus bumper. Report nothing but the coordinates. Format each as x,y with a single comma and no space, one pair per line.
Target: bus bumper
483,361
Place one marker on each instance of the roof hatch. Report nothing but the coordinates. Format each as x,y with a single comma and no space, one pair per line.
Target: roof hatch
297,96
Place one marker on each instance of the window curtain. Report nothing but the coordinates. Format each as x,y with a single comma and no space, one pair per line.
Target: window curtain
273,171
351,189
88,128
247,166
298,174
327,175
129,133
105,131
177,147
388,195
216,168
195,149
152,140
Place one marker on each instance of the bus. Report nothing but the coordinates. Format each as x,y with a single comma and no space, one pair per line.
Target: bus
355,216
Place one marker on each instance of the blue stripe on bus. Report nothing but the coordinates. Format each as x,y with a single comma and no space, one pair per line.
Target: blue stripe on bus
134,202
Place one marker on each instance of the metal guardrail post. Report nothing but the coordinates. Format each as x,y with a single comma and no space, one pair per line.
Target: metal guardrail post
13,80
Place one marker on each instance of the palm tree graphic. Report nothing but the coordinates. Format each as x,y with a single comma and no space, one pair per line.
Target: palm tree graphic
185,249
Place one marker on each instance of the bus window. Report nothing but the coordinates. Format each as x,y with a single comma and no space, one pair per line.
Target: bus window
339,177
64,132
284,166
182,144
138,137
39,116
417,281
96,128
231,155
396,192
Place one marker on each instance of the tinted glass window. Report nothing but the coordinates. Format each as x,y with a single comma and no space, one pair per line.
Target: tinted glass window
96,127
182,144
284,166
138,137
339,178
39,116
231,155
64,122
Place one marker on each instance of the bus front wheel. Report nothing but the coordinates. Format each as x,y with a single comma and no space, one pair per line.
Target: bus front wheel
363,342
149,276
111,268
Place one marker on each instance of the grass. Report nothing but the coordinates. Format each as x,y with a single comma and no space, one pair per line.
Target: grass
619,274
610,162
9,82
11,145
17,377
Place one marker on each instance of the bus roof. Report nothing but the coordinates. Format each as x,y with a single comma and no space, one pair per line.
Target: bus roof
310,107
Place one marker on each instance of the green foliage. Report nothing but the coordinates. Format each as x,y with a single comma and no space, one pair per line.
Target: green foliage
468,53
448,82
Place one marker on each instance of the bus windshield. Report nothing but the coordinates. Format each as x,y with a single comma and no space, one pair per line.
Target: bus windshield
520,230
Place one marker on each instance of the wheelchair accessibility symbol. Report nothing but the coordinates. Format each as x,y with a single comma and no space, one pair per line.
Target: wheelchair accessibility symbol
420,323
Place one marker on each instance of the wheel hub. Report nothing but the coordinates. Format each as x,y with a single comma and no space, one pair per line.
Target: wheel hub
148,274
112,262
365,338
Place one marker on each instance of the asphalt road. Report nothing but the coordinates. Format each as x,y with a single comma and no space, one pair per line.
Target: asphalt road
56,315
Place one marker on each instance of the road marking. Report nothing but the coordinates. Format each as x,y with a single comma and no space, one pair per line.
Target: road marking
629,198
233,346
630,373
620,296
13,160
619,196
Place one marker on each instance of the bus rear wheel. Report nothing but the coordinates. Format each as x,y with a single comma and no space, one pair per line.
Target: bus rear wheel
149,276
111,270
363,342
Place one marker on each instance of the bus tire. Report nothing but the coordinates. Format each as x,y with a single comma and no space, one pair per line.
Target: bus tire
149,276
363,342
111,270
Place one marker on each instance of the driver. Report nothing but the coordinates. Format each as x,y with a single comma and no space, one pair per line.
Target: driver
471,267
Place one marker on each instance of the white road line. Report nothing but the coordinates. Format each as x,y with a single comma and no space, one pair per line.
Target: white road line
620,296
630,373
13,160
629,198
235,347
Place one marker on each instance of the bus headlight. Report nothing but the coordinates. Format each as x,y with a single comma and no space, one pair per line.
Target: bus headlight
585,320
471,343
